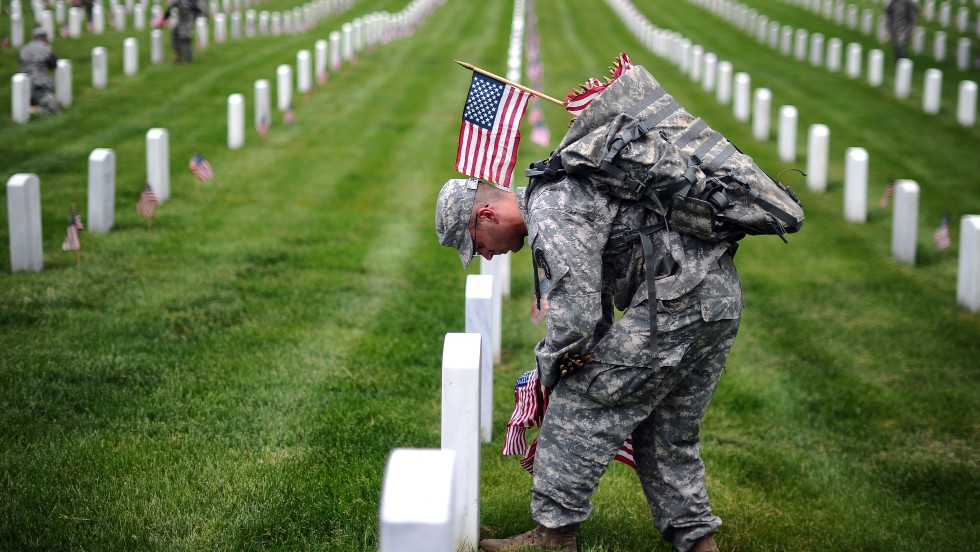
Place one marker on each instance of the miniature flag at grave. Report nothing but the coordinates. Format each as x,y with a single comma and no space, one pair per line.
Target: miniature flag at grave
941,236
72,242
147,204
889,192
263,127
540,134
289,116
200,167
490,131
530,403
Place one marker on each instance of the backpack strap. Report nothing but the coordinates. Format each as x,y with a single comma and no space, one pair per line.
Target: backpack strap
650,262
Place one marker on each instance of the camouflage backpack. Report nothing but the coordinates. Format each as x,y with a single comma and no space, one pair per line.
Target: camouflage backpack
634,141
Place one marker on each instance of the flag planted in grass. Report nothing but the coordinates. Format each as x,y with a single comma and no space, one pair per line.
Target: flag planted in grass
72,241
263,127
889,192
941,236
201,167
147,204
290,115
490,131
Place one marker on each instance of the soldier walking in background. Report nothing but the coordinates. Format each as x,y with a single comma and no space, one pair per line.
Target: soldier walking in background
37,59
182,34
900,16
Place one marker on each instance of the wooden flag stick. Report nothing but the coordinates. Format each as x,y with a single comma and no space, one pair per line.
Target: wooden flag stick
78,252
541,95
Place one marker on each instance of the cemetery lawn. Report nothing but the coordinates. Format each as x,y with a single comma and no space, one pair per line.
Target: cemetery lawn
235,376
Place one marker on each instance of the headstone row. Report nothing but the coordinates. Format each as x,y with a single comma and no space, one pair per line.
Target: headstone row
797,42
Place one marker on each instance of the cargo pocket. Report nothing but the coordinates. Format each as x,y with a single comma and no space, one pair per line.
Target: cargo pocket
721,308
621,385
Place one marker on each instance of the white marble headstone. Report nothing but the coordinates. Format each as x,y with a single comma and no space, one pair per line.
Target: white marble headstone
479,319
818,149
905,220
158,162
24,222
966,103
856,185
761,114
461,361
236,121
418,501
20,98
284,87
968,269
786,136
101,190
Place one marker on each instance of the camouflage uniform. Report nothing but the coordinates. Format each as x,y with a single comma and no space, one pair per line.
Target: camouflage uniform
900,16
37,59
622,391
182,34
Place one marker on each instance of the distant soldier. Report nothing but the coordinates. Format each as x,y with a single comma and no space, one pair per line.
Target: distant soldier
900,16
37,59
183,33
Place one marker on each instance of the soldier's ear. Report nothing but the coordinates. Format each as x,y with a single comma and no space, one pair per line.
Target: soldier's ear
487,214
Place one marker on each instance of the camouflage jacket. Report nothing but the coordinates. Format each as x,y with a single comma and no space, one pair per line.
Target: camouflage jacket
37,58
569,224
900,16
188,12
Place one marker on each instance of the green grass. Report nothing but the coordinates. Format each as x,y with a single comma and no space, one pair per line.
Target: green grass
235,377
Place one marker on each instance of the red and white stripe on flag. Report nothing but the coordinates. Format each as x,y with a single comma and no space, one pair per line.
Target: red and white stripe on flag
490,131
530,403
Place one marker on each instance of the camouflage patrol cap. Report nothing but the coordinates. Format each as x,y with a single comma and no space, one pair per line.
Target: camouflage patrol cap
453,211
39,32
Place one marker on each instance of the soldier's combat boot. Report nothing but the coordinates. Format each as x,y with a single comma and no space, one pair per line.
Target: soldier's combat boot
706,544
539,538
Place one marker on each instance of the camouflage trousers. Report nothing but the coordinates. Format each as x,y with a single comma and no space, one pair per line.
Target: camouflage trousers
43,99
182,42
592,412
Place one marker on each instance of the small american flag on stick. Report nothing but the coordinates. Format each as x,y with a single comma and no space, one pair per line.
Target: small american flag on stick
941,237
72,242
263,127
147,204
200,167
490,131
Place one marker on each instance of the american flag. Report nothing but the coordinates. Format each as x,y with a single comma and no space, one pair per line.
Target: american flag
941,236
576,101
889,192
290,115
147,204
263,127
540,134
530,403
72,243
200,167
490,131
